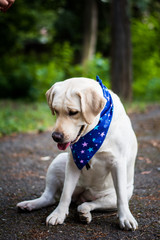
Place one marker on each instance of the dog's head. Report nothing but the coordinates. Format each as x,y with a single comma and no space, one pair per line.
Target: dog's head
76,102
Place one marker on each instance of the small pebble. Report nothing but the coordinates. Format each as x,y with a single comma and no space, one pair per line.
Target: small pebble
46,158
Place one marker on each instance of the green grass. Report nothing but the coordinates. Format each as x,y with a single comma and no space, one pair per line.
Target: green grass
18,116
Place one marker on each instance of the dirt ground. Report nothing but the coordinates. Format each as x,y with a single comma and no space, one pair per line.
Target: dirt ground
22,176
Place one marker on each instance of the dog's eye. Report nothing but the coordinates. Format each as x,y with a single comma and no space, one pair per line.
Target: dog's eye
73,113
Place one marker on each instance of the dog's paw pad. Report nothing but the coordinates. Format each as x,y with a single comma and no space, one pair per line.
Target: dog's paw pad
84,213
85,217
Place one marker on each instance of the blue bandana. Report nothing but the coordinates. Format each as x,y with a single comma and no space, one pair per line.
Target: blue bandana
85,148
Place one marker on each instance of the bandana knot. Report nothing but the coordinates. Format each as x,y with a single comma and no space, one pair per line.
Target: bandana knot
85,148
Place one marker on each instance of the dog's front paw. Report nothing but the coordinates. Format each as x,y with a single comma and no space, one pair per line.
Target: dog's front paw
27,205
56,217
128,222
84,213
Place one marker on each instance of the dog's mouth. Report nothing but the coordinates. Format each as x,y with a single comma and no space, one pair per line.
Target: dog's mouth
63,146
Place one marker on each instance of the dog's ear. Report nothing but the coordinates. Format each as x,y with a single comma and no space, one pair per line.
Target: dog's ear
92,103
50,96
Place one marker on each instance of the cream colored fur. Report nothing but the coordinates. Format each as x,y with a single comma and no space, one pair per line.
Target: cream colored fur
109,182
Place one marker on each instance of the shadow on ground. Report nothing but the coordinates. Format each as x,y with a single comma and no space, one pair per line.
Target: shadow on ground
22,177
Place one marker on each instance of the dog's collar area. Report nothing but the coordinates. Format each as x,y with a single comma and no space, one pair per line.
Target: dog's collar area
81,131
79,134
77,138
86,146
87,166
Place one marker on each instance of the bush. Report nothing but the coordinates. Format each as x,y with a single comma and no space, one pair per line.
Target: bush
97,66
28,77
146,61
16,78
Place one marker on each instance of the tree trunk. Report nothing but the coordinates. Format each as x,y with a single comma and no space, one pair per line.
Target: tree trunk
90,30
121,51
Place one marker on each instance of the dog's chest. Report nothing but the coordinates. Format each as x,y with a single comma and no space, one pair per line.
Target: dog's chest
102,161
99,174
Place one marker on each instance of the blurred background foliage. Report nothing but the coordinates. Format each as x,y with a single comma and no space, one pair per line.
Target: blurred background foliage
146,57
41,43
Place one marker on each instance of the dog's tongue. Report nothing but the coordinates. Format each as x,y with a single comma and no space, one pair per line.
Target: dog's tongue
63,146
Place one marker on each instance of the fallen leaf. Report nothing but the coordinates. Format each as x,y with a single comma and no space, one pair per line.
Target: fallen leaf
155,143
146,159
146,172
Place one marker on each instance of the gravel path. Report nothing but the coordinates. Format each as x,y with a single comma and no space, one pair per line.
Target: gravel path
22,176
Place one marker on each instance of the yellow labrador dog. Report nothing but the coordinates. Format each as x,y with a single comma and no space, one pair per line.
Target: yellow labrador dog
99,173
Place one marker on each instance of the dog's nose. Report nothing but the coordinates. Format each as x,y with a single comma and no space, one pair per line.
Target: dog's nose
57,137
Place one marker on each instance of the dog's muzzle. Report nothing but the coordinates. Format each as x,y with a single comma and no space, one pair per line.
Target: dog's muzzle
58,137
